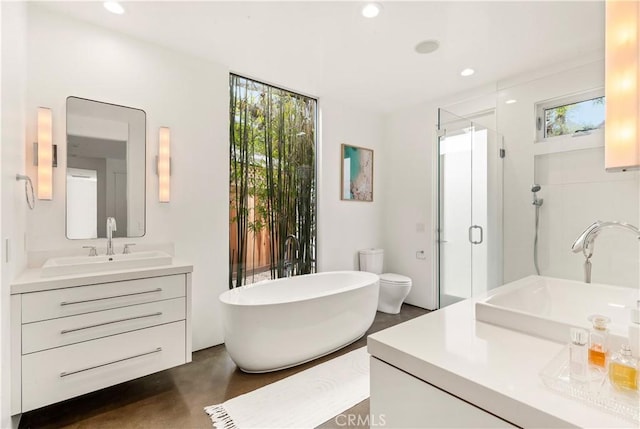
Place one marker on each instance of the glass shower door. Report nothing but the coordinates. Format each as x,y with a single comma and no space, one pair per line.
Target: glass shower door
455,207
469,208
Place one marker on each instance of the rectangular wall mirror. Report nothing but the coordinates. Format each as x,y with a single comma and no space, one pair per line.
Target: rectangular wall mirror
106,161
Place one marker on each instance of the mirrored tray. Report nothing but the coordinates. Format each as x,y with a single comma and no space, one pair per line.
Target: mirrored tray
597,391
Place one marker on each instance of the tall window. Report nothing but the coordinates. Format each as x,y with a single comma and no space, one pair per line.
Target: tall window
272,194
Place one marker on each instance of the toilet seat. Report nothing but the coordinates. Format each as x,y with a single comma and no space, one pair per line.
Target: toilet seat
392,278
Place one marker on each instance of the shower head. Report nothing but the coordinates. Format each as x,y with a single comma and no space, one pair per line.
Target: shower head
536,201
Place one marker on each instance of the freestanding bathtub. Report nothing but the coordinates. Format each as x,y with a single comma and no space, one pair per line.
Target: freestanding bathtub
281,323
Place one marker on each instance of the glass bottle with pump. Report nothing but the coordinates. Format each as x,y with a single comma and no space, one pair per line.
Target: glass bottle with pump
578,355
623,369
598,341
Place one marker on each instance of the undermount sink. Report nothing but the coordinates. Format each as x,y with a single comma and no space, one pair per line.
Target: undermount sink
89,264
548,307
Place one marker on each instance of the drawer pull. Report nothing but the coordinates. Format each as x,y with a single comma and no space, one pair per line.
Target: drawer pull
110,297
66,331
64,373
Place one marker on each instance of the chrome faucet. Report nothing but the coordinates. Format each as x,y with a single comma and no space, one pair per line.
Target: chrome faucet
585,241
290,263
111,226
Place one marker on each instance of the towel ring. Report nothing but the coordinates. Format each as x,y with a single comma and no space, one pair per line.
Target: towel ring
27,180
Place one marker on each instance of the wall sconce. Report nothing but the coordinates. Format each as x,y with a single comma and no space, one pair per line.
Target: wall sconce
45,154
163,164
622,82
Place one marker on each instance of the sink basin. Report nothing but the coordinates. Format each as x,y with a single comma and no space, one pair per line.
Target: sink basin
89,264
548,307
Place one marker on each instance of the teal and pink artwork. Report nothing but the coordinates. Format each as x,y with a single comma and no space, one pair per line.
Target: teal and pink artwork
357,173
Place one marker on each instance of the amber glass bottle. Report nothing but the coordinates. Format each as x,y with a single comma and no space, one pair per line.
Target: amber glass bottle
598,339
623,370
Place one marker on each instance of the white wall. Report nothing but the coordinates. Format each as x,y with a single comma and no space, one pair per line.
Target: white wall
576,189
410,135
344,227
13,204
175,90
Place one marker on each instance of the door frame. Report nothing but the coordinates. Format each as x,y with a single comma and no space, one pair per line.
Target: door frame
480,117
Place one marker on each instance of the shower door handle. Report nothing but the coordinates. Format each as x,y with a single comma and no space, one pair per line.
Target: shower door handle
471,228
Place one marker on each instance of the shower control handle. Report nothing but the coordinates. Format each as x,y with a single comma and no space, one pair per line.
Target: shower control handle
471,240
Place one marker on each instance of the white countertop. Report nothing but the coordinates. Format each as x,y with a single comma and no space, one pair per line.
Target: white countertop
491,367
31,280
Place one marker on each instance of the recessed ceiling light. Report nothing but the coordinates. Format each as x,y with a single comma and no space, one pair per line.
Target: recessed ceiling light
371,10
467,72
511,101
114,7
427,46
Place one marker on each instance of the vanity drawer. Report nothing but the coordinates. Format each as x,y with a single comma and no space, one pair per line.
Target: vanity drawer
63,331
84,299
61,373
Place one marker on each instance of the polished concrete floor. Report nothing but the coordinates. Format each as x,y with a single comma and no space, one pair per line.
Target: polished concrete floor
175,398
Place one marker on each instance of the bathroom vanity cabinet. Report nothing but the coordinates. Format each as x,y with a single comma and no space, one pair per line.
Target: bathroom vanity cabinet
76,334
422,403
446,369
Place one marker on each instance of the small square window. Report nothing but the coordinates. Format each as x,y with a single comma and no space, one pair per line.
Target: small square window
571,116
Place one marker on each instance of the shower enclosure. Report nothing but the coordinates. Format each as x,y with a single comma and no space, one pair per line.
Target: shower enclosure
469,224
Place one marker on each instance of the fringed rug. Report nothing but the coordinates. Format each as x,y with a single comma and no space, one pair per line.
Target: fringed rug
303,400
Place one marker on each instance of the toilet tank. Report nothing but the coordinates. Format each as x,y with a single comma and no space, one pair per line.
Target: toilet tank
371,260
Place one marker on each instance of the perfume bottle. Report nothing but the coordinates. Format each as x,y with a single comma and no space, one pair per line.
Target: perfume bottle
598,340
578,354
623,369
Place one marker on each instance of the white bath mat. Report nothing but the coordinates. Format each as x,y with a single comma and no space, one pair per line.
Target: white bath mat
303,400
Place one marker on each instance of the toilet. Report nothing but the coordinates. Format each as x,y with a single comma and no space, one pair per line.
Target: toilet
394,288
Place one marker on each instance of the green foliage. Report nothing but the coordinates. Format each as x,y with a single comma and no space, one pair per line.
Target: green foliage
272,152
558,121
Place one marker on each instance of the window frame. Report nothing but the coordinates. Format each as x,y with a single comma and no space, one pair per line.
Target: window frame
541,107
313,251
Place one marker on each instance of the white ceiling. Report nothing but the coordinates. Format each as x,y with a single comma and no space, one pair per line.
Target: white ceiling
327,49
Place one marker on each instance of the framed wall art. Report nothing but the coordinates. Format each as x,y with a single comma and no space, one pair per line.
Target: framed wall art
356,178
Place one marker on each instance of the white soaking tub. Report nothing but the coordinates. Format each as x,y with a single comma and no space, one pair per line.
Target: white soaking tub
281,323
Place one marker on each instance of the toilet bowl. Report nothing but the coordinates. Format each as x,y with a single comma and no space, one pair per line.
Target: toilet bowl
394,288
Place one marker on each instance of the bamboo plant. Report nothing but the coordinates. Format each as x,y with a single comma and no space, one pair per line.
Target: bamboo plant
272,176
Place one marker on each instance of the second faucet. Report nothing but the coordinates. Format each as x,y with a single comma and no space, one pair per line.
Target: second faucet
290,263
